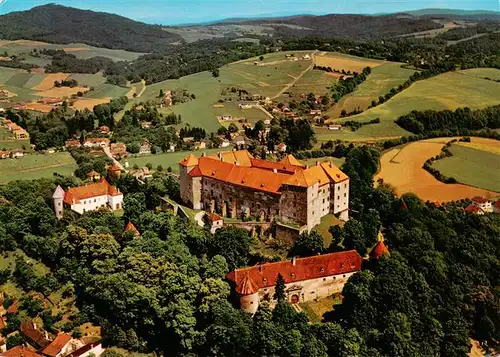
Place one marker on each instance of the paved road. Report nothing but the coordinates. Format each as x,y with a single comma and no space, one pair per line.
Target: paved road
107,151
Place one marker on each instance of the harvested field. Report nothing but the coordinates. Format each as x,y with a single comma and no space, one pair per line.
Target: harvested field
89,103
491,73
19,79
39,107
349,63
401,167
61,92
89,80
482,144
75,49
29,43
48,82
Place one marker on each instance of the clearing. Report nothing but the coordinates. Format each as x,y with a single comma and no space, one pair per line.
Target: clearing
471,165
316,309
401,167
491,73
340,61
49,79
36,166
450,90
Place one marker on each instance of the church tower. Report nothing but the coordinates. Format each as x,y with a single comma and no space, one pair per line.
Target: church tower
58,198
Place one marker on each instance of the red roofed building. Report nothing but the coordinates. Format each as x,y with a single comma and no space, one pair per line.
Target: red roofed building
237,185
483,203
305,278
61,346
472,208
496,206
72,143
96,142
130,227
87,198
35,337
19,351
215,221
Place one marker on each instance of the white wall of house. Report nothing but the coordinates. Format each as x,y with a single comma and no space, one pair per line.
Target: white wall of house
340,197
90,204
116,202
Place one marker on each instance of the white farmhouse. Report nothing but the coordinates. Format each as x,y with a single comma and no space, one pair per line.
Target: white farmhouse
87,198
96,142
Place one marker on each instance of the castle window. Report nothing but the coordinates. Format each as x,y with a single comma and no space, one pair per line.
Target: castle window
292,275
95,200
324,279
345,185
342,265
334,278
58,203
338,197
323,200
322,269
251,302
265,281
345,194
343,276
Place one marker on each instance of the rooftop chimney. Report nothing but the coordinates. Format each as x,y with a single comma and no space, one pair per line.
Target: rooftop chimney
220,155
275,171
317,163
294,260
203,154
237,163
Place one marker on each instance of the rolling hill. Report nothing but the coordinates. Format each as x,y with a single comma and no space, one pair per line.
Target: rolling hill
60,24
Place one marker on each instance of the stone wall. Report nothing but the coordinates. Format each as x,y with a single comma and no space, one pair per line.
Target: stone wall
237,201
308,290
293,204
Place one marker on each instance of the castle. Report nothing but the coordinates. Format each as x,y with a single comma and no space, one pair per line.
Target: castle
237,185
87,198
305,279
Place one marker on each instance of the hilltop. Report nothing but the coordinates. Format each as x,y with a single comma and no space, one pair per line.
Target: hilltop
60,24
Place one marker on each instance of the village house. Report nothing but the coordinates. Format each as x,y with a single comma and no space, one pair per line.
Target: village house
17,132
93,349
315,112
118,150
482,203
87,198
94,176
104,129
281,147
145,148
496,206
241,140
34,337
215,221
141,173
335,127
227,117
225,143
4,154
305,279
131,228
146,124
171,147
19,351
62,345
51,101
15,153
235,184
72,144
96,142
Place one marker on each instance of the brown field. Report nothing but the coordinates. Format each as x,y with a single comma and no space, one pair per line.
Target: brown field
39,107
9,93
402,168
29,43
342,62
38,70
483,144
131,92
48,82
263,84
75,49
4,42
61,92
89,103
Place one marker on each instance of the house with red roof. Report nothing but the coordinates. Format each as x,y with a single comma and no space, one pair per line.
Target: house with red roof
215,221
62,345
305,279
472,208
482,203
237,185
87,198
96,142
131,228
19,351
496,206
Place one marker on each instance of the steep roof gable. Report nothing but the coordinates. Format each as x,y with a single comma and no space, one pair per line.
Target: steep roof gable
57,345
290,160
102,188
189,160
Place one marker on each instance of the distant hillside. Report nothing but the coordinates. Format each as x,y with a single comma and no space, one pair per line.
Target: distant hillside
348,26
59,24
471,15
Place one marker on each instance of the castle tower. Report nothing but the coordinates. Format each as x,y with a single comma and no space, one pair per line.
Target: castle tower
58,198
379,250
249,294
186,186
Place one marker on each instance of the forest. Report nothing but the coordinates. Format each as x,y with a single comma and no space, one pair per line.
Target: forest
165,291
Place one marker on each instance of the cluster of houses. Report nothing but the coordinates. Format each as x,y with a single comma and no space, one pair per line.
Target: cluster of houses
17,132
481,205
39,343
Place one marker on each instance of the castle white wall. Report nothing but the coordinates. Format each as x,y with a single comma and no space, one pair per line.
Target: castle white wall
91,204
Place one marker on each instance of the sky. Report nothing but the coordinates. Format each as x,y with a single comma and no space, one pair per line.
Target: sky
172,12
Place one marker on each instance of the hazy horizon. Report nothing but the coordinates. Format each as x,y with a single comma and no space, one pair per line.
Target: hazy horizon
176,12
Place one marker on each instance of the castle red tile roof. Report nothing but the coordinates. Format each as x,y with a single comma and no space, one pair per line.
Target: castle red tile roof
12,309
259,174
97,140
93,173
246,286
130,227
57,345
379,250
102,188
497,204
318,266
19,351
2,323
213,217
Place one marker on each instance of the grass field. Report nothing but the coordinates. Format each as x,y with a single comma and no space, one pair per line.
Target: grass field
472,167
378,83
19,79
36,166
491,73
446,91
89,80
107,91
80,50
251,115
168,159
401,167
340,61
316,309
